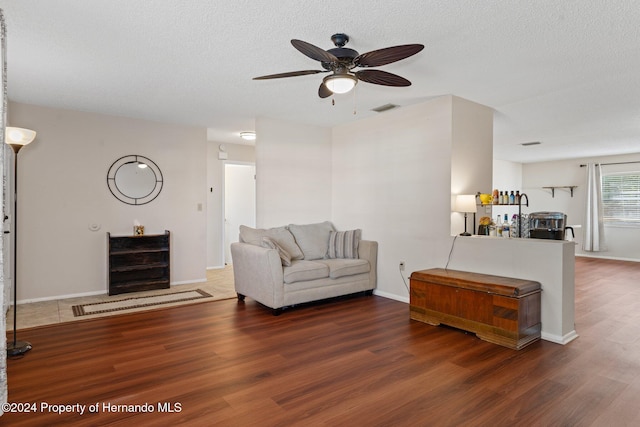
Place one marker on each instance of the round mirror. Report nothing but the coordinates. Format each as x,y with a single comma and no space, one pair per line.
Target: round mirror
134,180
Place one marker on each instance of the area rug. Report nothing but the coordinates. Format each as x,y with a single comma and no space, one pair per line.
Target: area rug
130,303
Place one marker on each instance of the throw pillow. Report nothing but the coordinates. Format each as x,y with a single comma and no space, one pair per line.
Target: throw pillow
281,235
344,244
313,239
268,242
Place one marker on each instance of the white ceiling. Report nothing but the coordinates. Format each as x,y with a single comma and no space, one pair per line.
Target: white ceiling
561,72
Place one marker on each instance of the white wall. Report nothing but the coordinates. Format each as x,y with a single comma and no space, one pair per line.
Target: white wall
392,177
63,189
622,243
293,173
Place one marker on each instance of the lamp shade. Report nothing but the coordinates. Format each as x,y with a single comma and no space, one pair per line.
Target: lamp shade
19,136
340,83
465,203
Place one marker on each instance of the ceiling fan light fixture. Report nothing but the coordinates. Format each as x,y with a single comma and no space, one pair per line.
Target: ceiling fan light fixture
340,83
249,136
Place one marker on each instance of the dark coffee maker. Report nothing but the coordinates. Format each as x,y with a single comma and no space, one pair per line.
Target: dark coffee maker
548,225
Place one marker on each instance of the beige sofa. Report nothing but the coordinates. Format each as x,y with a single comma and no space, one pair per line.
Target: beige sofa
284,266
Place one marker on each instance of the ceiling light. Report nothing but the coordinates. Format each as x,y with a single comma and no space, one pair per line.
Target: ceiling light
340,83
249,136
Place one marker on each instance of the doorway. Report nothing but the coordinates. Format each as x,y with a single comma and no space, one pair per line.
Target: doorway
239,202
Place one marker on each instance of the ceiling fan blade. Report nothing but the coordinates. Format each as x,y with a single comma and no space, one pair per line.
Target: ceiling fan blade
378,77
289,74
313,52
323,91
377,58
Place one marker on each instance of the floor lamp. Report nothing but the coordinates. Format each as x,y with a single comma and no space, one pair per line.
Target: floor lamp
16,138
466,203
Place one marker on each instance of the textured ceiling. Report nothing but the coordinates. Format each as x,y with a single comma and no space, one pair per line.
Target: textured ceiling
561,72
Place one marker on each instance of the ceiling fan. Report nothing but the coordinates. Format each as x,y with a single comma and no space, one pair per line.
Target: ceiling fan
340,61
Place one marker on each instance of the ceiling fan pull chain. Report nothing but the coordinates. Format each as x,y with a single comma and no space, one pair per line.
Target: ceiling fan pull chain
355,101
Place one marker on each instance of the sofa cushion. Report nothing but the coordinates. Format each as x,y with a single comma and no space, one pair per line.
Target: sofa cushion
280,235
313,239
302,270
344,244
345,267
268,242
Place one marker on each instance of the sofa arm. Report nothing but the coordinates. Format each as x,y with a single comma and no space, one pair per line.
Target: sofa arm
257,273
368,249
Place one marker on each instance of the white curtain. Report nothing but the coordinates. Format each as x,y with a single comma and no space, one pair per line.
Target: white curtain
594,224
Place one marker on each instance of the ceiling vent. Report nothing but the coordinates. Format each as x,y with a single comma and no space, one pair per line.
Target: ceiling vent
527,144
385,107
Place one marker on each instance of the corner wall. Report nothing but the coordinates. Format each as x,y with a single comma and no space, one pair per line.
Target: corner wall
63,189
394,174
471,156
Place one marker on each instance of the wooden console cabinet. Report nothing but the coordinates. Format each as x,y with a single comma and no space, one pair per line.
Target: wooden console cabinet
497,309
138,263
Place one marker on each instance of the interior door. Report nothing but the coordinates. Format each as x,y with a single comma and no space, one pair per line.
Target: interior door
239,201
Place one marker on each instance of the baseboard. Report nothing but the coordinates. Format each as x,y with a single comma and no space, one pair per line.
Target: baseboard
57,297
217,267
189,282
391,296
608,257
566,339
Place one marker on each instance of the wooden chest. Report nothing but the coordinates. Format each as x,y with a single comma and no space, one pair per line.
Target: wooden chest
497,309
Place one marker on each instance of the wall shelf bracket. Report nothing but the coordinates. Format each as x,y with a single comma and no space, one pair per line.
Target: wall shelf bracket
553,189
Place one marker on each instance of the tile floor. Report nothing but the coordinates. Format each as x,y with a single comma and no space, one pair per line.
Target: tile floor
219,284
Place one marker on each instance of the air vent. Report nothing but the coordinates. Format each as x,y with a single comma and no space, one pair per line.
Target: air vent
385,107
526,144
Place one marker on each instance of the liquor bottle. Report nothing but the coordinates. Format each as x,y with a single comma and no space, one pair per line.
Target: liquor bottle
499,226
501,198
517,197
505,226
505,200
512,198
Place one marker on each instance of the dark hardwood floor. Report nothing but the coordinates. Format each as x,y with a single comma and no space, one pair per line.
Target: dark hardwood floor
352,362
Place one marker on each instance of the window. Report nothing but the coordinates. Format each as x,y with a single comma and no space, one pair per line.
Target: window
621,199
